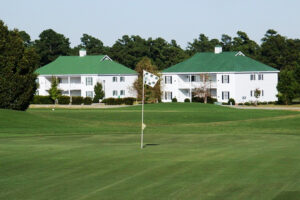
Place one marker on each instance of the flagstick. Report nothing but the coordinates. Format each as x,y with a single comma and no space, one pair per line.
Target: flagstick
142,134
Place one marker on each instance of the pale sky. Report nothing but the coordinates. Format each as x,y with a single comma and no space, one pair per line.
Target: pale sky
182,20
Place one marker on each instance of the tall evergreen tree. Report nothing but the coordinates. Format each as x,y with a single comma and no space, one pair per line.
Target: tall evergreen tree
93,45
51,45
17,66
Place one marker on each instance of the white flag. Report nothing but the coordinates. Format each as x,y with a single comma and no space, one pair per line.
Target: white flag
150,79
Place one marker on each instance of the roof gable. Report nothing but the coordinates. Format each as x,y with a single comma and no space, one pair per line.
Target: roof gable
222,62
98,64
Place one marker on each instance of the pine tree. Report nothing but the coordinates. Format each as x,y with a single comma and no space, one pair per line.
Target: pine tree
17,66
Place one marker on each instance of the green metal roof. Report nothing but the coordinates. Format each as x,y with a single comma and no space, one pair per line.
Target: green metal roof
222,62
83,65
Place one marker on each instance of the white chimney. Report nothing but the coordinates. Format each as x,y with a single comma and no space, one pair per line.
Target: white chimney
82,52
218,49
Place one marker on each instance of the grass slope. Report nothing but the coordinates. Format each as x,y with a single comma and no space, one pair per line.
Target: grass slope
202,152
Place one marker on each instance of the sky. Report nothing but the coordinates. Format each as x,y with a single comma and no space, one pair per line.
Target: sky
182,20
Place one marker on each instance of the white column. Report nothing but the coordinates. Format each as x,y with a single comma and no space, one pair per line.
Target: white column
190,88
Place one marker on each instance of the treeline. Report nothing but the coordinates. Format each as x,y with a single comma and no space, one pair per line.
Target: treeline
20,56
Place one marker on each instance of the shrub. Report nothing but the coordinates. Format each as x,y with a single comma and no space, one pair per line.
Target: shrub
42,100
211,100
247,104
63,100
174,100
77,100
240,104
223,103
87,101
129,100
187,100
231,101
198,99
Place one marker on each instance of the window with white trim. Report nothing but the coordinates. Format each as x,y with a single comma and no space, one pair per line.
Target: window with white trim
89,80
89,94
262,93
252,77
168,79
260,77
122,79
122,92
251,93
225,78
225,95
115,79
115,93
168,95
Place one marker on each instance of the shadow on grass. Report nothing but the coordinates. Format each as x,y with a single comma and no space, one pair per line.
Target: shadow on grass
288,195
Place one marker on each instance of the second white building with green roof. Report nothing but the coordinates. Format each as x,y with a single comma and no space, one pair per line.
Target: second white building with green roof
78,75
223,75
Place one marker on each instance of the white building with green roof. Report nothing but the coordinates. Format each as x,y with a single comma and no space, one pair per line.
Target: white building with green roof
223,75
78,75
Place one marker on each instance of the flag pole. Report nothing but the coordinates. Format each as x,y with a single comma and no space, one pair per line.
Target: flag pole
142,133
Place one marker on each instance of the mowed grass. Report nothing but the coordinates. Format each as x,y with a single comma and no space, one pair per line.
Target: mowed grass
193,151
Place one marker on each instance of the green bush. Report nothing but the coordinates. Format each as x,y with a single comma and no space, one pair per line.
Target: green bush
129,100
174,100
187,100
198,99
119,101
87,101
63,100
77,100
240,104
42,100
211,100
231,101
247,104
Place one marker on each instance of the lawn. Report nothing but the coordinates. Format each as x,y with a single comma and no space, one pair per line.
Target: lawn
193,151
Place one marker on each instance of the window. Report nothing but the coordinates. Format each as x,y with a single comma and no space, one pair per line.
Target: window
168,95
89,94
115,93
89,80
252,77
262,93
260,77
251,93
193,78
122,92
59,80
168,79
225,95
115,79
122,79
225,78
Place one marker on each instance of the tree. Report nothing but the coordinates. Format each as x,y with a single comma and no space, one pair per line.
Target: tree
54,92
26,38
129,50
226,41
93,45
287,86
257,93
243,43
202,44
51,45
17,66
99,93
204,90
151,94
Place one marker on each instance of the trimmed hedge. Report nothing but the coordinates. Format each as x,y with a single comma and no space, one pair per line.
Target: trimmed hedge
187,100
119,101
174,100
63,100
201,100
42,100
87,101
77,100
